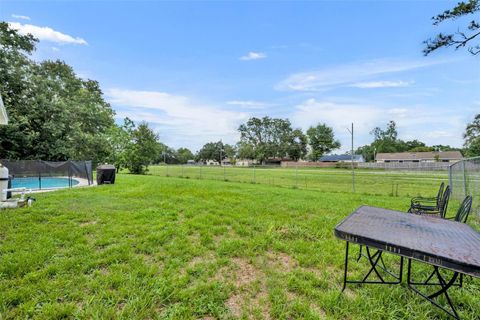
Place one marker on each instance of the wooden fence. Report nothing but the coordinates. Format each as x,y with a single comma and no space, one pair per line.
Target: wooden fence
414,166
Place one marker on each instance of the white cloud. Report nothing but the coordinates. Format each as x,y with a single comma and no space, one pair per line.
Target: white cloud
55,49
381,84
338,115
179,120
249,104
398,112
253,56
414,122
349,74
46,33
439,134
18,16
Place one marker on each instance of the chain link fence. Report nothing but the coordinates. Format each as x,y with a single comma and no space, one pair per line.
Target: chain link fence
396,183
464,180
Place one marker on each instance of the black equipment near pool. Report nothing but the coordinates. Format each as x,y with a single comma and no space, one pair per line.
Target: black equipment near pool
106,174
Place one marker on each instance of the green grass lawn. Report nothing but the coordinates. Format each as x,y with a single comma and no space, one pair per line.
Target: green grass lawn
369,182
151,247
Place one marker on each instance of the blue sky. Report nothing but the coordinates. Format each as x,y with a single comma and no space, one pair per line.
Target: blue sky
196,70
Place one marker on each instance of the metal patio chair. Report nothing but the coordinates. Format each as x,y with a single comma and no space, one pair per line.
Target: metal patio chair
426,203
461,216
439,210
463,211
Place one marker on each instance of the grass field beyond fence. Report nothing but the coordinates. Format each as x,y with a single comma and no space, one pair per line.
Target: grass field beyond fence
371,182
151,247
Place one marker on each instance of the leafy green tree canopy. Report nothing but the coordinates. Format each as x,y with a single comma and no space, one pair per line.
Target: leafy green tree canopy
54,114
273,138
322,140
143,150
119,140
212,151
184,155
472,137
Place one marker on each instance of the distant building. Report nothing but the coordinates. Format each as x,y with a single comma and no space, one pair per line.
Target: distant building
212,163
245,162
227,162
434,156
342,158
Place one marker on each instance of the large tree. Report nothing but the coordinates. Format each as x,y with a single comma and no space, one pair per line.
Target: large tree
322,140
272,138
119,139
472,137
230,151
143,150
54,114
245,151
184,154
385,140
461,38
212,151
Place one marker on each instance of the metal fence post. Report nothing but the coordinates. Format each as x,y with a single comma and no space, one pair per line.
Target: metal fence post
200,171
254,178
450,180
166,170
224,174
182,170
465,189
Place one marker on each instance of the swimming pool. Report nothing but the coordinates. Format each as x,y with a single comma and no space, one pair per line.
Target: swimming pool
44,183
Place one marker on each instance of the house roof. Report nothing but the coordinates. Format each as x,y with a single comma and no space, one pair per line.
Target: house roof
442,155
341,157
3,113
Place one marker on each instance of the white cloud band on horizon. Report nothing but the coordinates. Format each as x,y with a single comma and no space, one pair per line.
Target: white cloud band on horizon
351,74
382,84
180,121
46,34
413,122
249,104
253,56
19,16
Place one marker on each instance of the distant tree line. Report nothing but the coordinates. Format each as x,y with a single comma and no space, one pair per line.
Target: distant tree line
387,141
56,115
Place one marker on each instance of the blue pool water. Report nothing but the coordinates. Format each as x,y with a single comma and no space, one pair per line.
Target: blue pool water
45,183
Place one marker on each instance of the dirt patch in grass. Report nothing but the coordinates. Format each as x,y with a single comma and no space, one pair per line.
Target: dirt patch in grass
280,261
88,223
250,290
318,311
245,272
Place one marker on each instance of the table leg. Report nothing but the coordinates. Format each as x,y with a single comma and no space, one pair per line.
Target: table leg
444,286
346,268
381,264
374,260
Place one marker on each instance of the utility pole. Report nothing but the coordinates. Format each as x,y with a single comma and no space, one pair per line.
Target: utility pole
353,165
221,152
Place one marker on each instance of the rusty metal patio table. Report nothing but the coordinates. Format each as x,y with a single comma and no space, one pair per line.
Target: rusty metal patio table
438,242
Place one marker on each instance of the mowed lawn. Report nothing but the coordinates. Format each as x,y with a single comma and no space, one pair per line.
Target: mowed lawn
369,182
151,247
